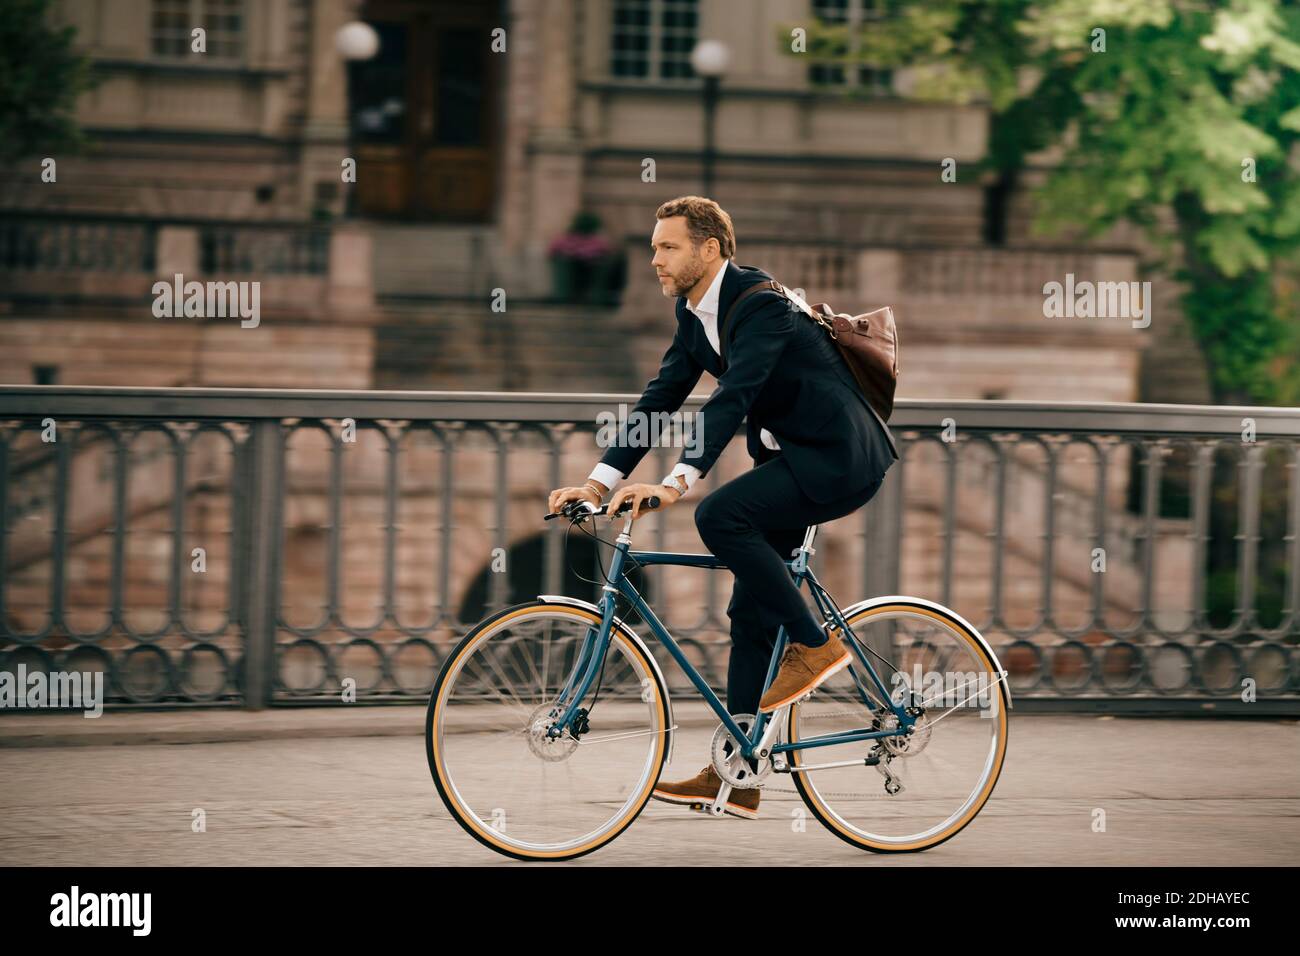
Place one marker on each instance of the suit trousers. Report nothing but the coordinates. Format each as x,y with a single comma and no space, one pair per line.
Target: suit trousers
752,524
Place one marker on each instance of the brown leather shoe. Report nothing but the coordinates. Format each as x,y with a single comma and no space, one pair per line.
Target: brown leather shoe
703,788
804,668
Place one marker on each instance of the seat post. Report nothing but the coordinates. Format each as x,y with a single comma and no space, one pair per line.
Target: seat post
808,537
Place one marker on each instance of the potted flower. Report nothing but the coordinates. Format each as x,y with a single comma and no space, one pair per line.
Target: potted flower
583,263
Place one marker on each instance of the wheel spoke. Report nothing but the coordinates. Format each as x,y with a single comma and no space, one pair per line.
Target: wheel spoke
502,774
942,768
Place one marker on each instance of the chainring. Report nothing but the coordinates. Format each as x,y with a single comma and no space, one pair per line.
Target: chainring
733,768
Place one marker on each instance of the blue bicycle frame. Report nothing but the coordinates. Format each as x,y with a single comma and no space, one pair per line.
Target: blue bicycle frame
596,643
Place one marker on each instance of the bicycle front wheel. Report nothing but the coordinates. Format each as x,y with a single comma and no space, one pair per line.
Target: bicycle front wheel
504,781
923,788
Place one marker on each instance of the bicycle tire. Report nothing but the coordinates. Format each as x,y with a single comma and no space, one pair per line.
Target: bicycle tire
823,813
629,645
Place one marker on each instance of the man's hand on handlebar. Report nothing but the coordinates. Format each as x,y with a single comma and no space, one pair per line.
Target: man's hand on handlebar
563,496
574,502
639,495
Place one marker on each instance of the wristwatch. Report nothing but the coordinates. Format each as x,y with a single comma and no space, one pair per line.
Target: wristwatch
678,484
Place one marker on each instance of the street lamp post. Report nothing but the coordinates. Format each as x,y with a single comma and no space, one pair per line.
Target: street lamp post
709,59
355,42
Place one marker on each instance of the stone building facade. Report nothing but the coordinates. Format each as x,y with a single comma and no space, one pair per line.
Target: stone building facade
480,131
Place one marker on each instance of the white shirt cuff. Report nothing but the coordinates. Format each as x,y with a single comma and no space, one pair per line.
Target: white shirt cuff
607,475
689,475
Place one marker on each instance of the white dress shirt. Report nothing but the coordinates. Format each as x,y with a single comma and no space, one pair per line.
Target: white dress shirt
707,313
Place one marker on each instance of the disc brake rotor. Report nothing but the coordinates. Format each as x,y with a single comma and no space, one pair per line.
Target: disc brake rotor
542,746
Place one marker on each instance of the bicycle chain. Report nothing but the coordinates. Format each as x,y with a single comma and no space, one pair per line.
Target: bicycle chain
832,793
850,796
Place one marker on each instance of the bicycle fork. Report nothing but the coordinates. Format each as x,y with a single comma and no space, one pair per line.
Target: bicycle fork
595,645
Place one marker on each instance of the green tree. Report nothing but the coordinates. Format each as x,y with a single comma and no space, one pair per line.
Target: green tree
1178,116
40,79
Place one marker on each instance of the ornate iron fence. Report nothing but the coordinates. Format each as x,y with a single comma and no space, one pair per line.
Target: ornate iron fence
254,547
53,243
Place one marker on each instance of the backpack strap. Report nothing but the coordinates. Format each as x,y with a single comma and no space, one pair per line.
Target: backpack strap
771,285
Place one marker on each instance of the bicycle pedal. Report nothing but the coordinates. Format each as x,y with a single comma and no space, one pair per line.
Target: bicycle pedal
705,808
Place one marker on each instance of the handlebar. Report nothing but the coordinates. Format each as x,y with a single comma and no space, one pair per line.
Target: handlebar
583,509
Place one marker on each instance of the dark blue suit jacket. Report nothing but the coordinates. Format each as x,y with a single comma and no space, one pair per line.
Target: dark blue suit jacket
786,375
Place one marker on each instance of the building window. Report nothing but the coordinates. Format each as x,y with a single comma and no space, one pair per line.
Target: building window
45,374
171,30
856,16
653,39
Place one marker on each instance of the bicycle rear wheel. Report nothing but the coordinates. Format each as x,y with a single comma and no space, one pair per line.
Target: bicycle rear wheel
504,781
947,767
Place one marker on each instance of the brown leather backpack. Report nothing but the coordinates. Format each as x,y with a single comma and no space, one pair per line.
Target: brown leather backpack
868,342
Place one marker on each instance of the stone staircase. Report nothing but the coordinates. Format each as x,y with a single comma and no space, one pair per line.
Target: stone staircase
462,344
434,260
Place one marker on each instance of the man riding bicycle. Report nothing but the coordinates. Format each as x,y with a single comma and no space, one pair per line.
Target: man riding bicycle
820,452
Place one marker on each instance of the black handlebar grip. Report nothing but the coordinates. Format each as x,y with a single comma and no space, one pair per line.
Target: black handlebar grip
649,504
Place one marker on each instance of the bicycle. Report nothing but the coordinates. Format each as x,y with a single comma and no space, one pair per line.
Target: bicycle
533,770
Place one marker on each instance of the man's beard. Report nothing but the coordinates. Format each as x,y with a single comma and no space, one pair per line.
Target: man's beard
691,274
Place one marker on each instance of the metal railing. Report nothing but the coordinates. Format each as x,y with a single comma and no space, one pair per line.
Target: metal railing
36,243
297,249
54,244
254,547
836,267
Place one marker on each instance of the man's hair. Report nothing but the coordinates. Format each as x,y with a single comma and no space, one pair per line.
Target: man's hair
705,219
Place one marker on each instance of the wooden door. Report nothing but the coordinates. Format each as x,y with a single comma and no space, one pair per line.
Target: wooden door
426,111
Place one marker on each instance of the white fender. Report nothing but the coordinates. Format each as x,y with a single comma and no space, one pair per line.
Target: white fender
641,646
908,599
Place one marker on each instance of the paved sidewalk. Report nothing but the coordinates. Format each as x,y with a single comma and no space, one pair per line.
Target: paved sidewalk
352,786
215,725
224,725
